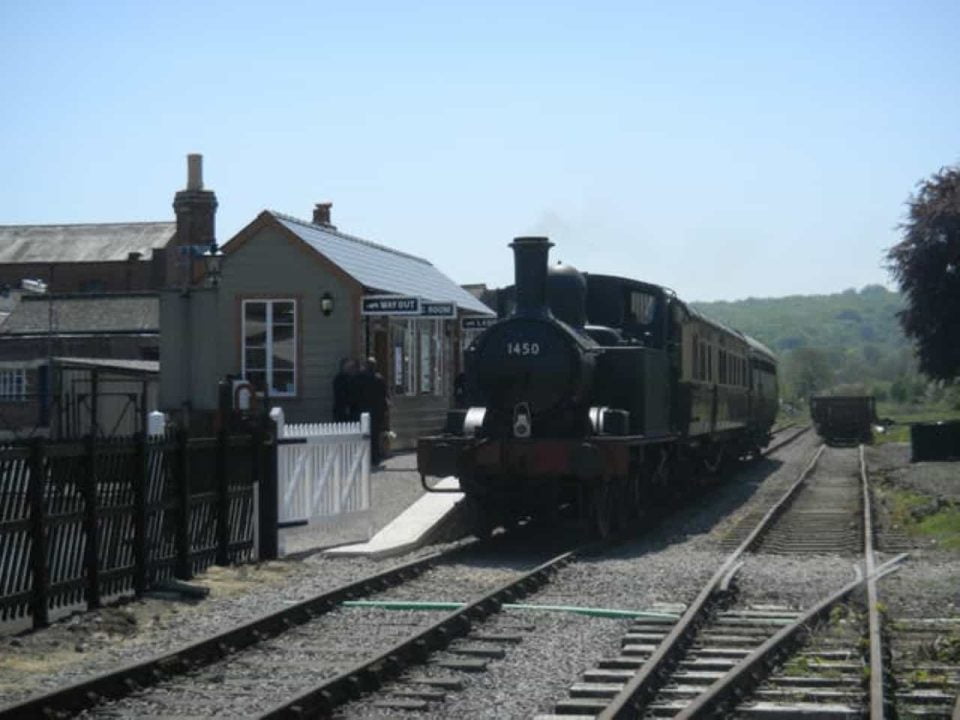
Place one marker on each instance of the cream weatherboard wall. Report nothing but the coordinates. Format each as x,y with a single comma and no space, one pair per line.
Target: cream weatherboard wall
201,329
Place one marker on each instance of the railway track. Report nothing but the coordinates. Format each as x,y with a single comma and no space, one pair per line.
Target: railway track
276,660
190,658
728,657
204,664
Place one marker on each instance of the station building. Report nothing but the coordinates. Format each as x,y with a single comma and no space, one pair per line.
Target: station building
290,300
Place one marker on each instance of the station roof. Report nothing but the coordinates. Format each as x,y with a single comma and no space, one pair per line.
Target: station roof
132,367
82,314
379,268
97,242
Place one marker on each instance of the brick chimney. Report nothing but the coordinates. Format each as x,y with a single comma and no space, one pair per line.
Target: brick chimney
196,210
321,215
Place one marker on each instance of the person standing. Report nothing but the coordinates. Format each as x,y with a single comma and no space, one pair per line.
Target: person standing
344,394
373,400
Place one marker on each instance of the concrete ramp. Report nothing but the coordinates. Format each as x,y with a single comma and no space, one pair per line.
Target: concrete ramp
423,522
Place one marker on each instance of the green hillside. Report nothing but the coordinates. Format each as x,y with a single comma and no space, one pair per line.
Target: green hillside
845,341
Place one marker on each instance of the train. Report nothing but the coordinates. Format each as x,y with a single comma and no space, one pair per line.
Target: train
844,419
596,396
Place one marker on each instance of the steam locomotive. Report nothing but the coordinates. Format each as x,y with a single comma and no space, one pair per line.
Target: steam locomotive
598,394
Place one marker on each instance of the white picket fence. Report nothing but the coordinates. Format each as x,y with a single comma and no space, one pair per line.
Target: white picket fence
323,473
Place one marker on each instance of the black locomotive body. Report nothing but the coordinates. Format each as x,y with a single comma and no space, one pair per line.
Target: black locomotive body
597,392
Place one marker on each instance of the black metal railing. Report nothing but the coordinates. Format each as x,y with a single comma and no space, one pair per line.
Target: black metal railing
87,521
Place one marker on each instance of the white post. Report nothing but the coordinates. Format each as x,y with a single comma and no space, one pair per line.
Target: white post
276,414
156,423
365,424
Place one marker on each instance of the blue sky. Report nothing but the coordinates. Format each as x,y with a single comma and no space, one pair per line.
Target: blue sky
725,149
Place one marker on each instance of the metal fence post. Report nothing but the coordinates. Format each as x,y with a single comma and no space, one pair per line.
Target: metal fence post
223,499
88,485
39,600
265,445
140,479
182,567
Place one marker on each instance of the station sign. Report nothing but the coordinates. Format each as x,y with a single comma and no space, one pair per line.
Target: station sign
478,322
390,305
438,309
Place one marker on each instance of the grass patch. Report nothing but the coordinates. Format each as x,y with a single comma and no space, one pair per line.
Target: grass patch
923,516
904,416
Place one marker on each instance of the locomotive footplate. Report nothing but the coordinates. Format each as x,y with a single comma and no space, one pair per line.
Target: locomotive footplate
600,456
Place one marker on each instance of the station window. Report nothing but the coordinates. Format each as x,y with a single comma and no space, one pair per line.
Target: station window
404,357
418,357
270,346
13,385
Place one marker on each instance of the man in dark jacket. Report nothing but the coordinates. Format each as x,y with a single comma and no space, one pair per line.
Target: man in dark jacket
373,400
344,393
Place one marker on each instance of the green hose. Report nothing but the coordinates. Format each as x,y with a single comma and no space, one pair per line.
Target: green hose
436,605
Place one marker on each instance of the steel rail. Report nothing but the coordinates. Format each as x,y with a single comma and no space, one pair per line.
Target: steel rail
877,674
366,676
651,675
119,683
749,670
745,674
781,443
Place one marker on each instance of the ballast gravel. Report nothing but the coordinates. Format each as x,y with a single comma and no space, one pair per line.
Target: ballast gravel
90,643
666,567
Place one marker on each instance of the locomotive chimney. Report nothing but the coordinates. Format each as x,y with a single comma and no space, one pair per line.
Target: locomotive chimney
530,267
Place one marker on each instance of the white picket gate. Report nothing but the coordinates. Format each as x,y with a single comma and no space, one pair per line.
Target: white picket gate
323,478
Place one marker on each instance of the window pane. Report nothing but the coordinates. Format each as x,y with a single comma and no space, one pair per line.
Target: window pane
255,311
258,379
282,333
283,383
283,312
283,355
426,373
255,359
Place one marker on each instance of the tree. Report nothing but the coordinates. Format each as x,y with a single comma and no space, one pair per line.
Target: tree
808,370
926,264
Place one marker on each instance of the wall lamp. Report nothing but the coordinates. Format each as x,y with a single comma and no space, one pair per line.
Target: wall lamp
213,265
326,304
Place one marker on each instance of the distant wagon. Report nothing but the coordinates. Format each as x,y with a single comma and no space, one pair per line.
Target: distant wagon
843,418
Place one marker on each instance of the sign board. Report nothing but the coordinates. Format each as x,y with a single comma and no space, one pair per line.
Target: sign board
438,309
390,305
478,322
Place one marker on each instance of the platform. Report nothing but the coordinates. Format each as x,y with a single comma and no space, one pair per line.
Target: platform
419,524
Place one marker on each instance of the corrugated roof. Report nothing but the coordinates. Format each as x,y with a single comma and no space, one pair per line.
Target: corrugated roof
82,243
131,366
89,313
380,268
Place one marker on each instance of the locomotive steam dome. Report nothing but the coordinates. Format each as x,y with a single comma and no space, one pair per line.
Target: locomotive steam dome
567,295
